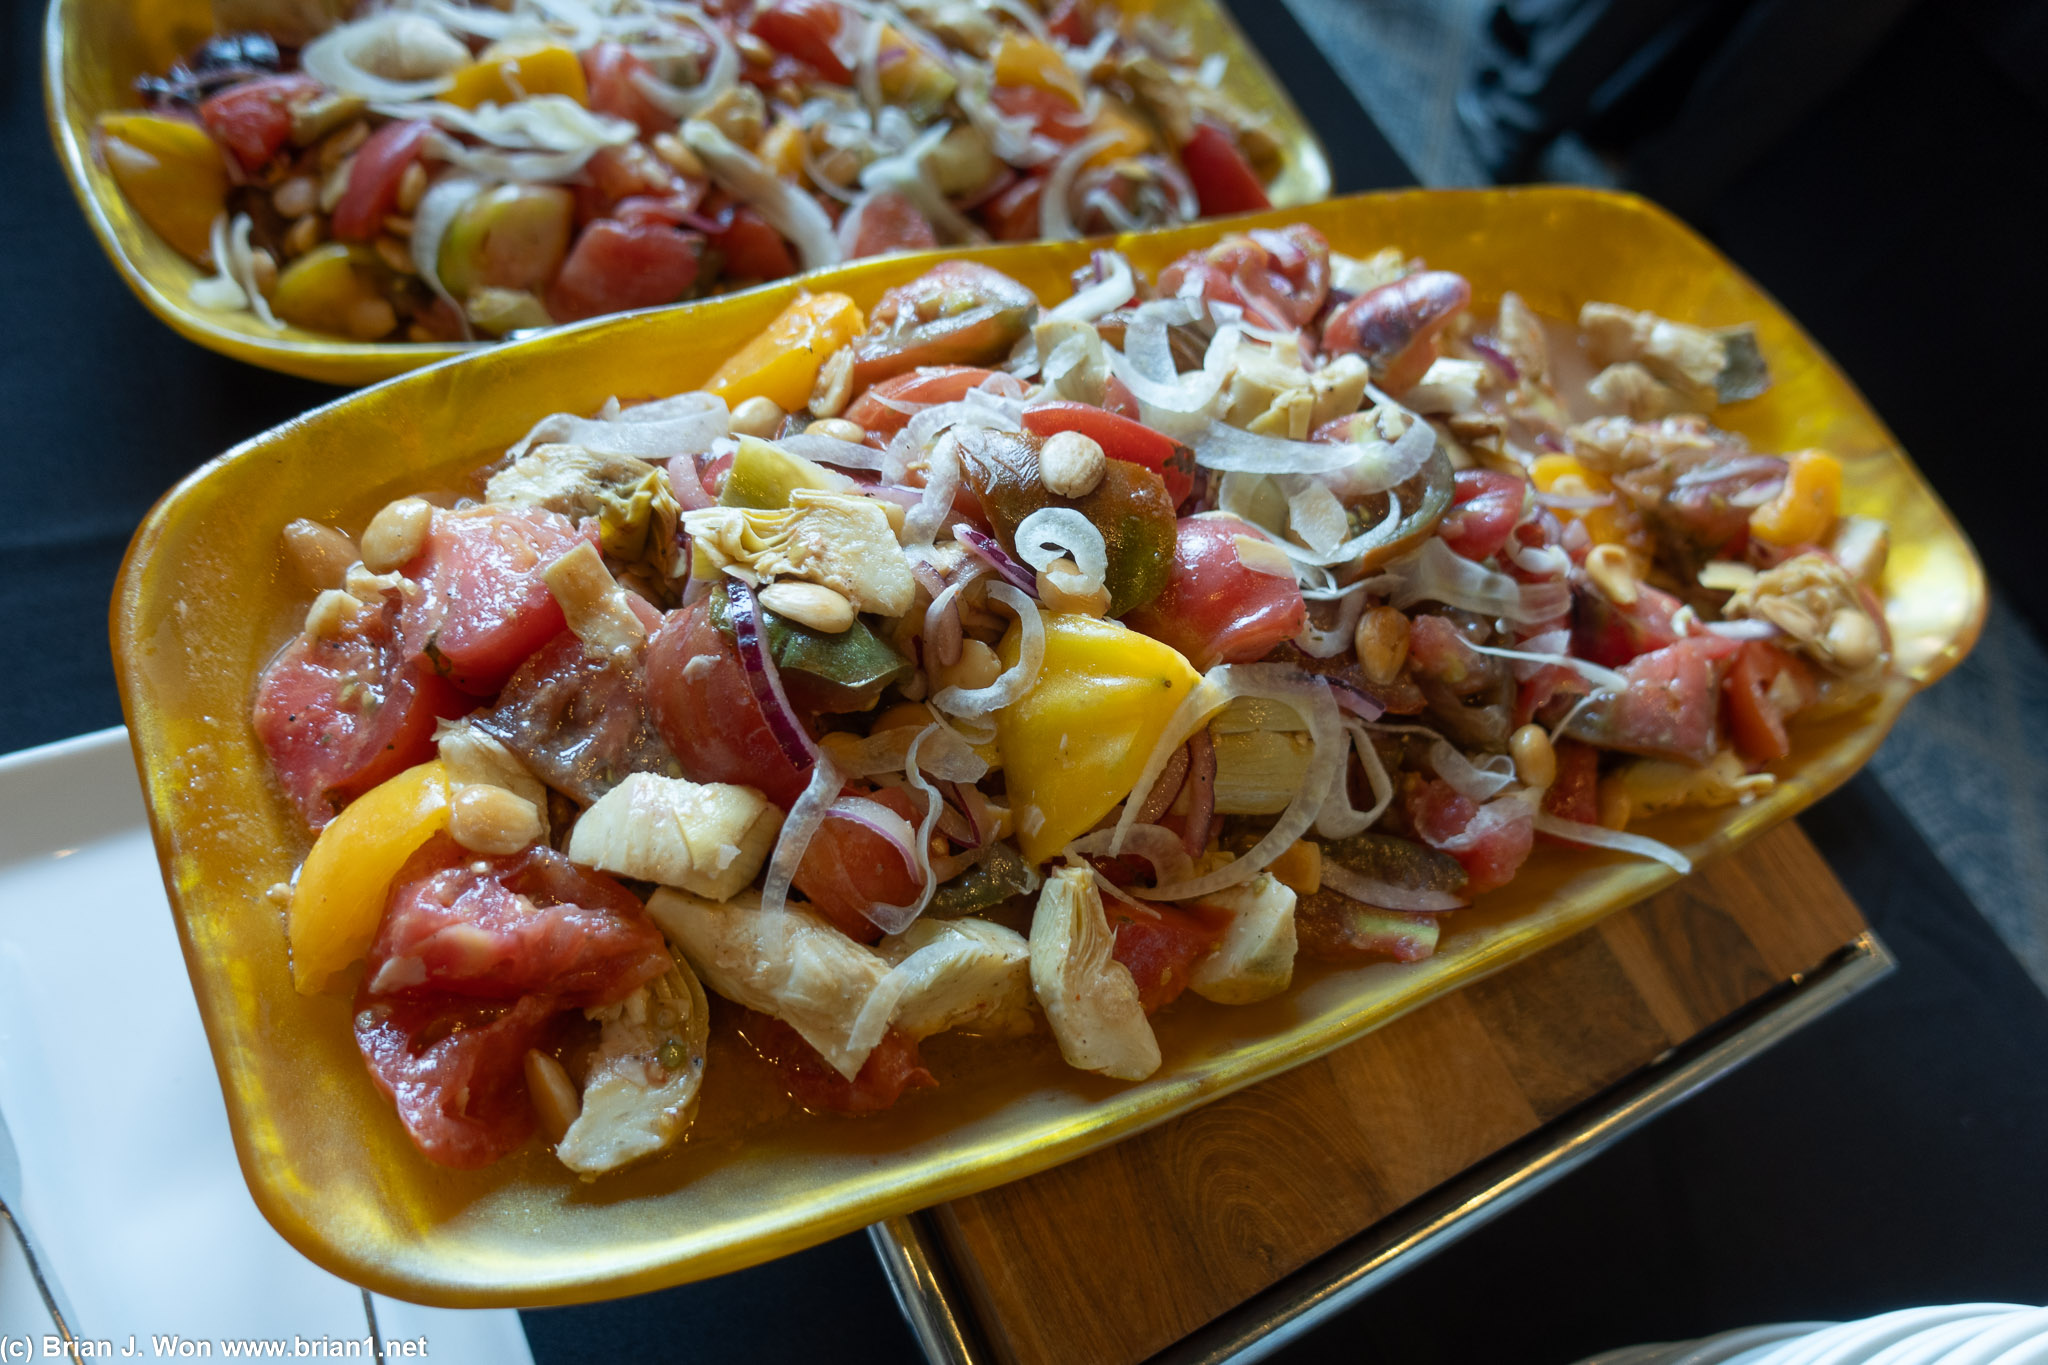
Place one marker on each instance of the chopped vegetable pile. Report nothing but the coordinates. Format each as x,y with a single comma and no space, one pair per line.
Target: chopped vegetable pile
445,170
978,664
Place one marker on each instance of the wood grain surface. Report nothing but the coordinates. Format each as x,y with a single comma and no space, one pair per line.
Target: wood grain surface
1114,1257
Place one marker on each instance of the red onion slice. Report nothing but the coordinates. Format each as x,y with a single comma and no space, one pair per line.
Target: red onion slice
1201,790
1156,844
989,551
765,679
894,919
1386,895
687,484
1167,787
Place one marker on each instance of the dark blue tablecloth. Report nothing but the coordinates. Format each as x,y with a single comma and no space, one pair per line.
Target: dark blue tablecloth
1888,1155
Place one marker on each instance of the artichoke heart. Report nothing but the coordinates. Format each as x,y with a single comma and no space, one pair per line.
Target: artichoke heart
642,1089
709,838
636,512
840,540
1255,960
959,972
791,963
1088,996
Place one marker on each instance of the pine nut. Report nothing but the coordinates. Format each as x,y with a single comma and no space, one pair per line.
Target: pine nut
758,416
321,554
396,534
487,819
676,152
1612,573
554,1095
1381,641
339,146
303,235
753,48
838,428
395,254
1070,465
296,197
412,187
834,389
335,185
1852,639
978,667
809,604
1535,758
400,226
369,319
330,613
1062,590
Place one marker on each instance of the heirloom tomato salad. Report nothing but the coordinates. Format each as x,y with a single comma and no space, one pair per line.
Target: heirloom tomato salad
980,663
441,170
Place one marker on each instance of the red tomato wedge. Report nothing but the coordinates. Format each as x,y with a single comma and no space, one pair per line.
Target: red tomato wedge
752,250
1575,793
849,867
1671,707
1159,953
341,714
1610,635
455,1070
705,709
1490,842
483,607
373,178
805,30
1012,216
890,222
253,120
1213,608
892,1068
532,923
1224,181
1121,438
872,411
612,73
1052,115
1485,505
1758,682
616,266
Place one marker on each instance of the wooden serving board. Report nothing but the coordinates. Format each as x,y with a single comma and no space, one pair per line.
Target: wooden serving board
1207,1211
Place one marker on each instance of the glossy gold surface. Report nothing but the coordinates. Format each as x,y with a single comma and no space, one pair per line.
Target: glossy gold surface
93,50
205,597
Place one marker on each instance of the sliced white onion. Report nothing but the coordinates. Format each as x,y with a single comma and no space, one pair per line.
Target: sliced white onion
944,755
1156,844
724,72
879,818
941,481
894,919
1101,297
525,168
1545,561
1386,895
1605,678
1479,782
1012,137
1015,681
686,424
1339,819
1051,532
1742,630
1055,219
1319,643
1435,572
1311,697
831,450
1621,841
445,198
242,265
806,817
335,57
788,209
220,289
905,172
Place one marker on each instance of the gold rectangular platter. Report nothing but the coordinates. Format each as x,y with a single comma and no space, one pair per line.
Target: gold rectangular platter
205,597
93,50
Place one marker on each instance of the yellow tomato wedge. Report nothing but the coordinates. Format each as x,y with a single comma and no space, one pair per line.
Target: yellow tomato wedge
782,362
171,172
1023,60
1075,743
516,76
1805,509
1565,475
342,888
